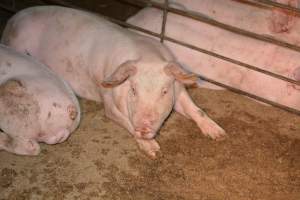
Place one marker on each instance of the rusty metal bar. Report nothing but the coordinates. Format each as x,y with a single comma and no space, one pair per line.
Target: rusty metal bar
241,92
200,17
163,28
256,4
279,5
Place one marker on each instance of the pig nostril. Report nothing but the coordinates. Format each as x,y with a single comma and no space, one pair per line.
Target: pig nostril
143,130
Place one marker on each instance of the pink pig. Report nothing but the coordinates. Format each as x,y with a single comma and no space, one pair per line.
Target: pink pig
35,105
136,77
267,56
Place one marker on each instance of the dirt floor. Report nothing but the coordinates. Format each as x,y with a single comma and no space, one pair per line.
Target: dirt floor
259,160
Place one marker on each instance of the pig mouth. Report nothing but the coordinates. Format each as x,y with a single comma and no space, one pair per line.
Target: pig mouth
145,133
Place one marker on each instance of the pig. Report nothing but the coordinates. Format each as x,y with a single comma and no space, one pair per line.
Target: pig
35,104
276,22
137,79
264,55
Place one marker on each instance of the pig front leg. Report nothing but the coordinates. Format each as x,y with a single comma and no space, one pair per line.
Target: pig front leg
19,145
185,106
150,147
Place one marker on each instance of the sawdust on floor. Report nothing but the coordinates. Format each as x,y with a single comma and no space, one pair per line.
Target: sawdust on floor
259,160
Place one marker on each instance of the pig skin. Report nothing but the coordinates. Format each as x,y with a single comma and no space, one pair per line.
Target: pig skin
35,105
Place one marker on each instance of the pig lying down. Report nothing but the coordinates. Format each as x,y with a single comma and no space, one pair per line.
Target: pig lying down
264,55
136,77
35,105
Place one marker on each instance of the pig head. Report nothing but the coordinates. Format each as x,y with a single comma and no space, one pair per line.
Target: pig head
145,93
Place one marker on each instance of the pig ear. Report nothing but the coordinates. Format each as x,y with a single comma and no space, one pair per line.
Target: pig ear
180,74
120,75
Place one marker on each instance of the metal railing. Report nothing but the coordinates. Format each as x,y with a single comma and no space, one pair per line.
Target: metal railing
200,17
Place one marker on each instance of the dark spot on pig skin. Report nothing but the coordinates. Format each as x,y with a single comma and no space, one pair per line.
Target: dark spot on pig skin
72,112
56,105
13,87
27,53
8,64
201,113
49,115
69,66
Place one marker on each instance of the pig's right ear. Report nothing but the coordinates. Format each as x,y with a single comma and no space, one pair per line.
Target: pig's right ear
120,75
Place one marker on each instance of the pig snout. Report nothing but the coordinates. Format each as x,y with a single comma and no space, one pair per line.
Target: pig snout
144,126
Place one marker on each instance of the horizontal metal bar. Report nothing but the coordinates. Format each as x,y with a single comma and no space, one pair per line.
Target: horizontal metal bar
241,92
203,18
252,3
279,5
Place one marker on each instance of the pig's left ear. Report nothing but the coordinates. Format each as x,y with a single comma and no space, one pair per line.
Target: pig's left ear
120,74
180,74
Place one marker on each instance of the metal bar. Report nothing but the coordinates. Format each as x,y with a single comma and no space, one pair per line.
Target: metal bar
241,92
163,28
256,4
200,17
279,5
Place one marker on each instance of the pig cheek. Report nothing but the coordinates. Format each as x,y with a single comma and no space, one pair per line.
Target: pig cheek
165,109
132,108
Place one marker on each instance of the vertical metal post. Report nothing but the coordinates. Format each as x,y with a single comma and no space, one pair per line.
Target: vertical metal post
163,28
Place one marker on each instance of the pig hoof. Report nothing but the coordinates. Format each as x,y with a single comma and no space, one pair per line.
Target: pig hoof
150,147
33,148
214,131
30,148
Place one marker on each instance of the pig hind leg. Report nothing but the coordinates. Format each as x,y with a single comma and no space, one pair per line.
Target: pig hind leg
18,145
185,106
